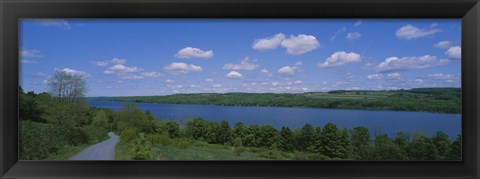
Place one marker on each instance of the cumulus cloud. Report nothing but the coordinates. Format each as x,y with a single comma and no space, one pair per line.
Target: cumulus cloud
169,81
62,23
340,58
104,63
266,72
290,70
75,72
126,69
353,35
25,53
268,43
375,76
234,74
394,76
244,65
443,44
182,68
410,32
190,52
454,52
152,74
300,44
408,63
209,80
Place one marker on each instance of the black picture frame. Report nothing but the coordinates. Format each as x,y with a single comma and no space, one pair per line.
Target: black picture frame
12,10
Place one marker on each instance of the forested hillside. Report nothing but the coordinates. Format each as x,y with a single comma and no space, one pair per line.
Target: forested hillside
443,100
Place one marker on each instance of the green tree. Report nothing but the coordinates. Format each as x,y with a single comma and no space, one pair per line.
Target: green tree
305,138
212,135
442,144
67,86
361,142
422,148
287,142
455,152
386,149
330,141
225,133
268,137
196,129
239,130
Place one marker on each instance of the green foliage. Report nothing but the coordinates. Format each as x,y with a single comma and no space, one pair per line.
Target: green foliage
442,144
287,142
141,149
455,152
360,137
305,138
386,149
422,148
445,100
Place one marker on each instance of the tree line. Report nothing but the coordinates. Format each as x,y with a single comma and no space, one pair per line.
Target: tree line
443,100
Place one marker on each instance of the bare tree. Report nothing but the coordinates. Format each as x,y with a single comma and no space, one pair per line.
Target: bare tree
67,87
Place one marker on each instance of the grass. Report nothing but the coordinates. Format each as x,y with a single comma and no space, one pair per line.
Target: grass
122,150
163,152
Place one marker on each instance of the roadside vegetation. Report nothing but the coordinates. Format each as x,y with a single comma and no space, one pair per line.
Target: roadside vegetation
58,124
442,100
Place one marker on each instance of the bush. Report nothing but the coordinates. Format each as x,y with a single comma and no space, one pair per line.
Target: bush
141,149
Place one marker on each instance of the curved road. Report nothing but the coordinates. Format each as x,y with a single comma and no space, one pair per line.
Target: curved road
102,151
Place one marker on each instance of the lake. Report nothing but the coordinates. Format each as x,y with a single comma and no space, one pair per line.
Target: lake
389,122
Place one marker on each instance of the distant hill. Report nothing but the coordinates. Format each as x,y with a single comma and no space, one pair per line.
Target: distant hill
443,100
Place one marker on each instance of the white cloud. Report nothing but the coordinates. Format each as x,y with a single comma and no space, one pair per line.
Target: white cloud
53,22
266,72
131,77
99,63
454,52
298,82
209,80
25,53
152,74
217,85
300,44
394,76
408,63
23,61
125,69
234,74
169,81
190,52
290,70
339,32
182,68
244,65
409,32
286,70
340,58
375,76
75,72
443,44
418,80
445,78
358,23
118,61
353,35
268,43
104,63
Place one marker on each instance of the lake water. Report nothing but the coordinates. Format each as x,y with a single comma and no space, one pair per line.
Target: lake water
389,122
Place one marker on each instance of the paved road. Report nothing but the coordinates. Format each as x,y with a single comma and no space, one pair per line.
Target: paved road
102,151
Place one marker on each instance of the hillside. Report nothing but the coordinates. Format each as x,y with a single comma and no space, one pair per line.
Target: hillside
443,100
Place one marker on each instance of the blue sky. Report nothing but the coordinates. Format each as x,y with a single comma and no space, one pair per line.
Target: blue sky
168,56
